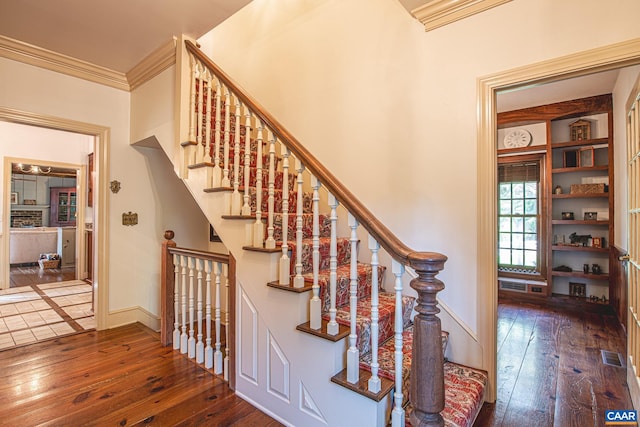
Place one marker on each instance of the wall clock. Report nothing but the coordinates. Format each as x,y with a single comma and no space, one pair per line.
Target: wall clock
517,138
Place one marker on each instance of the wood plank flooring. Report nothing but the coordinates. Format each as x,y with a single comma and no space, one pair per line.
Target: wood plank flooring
34,275
122,376
550,369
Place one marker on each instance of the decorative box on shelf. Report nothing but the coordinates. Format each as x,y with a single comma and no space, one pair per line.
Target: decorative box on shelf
588,188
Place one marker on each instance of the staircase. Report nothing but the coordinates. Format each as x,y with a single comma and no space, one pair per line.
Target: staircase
273,203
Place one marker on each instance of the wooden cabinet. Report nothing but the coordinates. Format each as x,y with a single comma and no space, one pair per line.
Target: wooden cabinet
63,207
578,222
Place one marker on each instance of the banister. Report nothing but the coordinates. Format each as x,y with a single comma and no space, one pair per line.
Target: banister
389,241
212,256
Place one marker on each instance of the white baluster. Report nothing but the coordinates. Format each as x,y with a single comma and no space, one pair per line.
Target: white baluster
208,350
258,226
374,380
332,326
192,102
191,353
199,136
315,305
183,336
225,270
298,280
217,355
353,354
227,134
176,302
207,134
270,243
398,415
246,207
236,201
217,171
199,343
285,262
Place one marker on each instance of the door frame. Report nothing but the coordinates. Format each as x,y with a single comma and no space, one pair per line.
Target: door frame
609,57
101,135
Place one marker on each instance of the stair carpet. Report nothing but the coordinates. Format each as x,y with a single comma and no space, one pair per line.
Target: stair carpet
464,386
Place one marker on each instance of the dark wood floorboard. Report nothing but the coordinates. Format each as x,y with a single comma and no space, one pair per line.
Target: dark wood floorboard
550,369
117,377
34,275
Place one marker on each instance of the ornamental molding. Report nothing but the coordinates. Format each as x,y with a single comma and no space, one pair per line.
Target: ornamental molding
437,13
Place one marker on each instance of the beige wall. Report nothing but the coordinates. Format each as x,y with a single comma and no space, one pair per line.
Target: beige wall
362,78
149,186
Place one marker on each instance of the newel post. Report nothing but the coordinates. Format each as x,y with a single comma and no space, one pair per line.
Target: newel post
167,285
427,367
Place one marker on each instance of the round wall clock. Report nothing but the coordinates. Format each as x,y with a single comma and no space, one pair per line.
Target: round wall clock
517,138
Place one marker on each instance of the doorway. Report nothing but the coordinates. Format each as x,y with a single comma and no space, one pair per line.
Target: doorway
44,243
588,62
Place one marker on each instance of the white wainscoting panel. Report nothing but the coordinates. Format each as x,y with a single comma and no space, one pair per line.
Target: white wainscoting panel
248,339
308,406
277,370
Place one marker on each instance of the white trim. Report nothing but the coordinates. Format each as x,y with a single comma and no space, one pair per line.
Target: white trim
101,200
53,61
262,408
603,58
436,13
154,64
126,316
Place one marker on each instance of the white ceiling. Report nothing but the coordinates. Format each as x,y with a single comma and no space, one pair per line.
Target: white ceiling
116,34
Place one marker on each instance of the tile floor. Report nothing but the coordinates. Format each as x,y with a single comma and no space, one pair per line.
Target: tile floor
38,312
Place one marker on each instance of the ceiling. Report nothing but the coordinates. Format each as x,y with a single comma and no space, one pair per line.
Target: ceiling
115,34
119,34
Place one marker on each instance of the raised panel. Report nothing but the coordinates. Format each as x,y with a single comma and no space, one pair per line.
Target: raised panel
277,370
248,339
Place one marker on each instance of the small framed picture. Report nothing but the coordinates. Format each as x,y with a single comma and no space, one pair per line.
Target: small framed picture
596,242
14,198
567,215
213,236
590,216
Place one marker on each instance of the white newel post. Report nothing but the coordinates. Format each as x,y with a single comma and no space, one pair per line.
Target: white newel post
298,280
217,171
374,381
199,343
332,326
315,305
270,243
191,353
398,415
353,354
217,355
184,338
285,262
246,207
208,350
258,226
176,302
236,201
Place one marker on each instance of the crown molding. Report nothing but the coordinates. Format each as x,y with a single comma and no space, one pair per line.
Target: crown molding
158,61
437,13
43,58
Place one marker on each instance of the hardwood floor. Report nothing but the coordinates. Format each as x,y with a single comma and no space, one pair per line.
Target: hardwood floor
34,275
550,368
121,376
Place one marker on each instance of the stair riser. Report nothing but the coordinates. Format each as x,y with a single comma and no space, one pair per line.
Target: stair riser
343,255
324,226
277,197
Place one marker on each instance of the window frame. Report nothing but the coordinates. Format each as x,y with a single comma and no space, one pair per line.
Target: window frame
543,225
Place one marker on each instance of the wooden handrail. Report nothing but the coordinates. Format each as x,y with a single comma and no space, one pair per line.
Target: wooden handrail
389,241
212,256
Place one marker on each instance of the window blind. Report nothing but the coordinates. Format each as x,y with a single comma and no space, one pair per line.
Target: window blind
519,172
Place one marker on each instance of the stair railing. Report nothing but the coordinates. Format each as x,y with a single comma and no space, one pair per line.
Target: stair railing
427,374
191,304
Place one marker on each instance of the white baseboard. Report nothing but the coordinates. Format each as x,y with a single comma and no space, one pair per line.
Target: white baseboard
130,315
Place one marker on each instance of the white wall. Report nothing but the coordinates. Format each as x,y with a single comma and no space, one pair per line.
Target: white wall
626,79
362,78
134,251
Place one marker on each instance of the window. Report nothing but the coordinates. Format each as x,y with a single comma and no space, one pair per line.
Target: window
519,228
